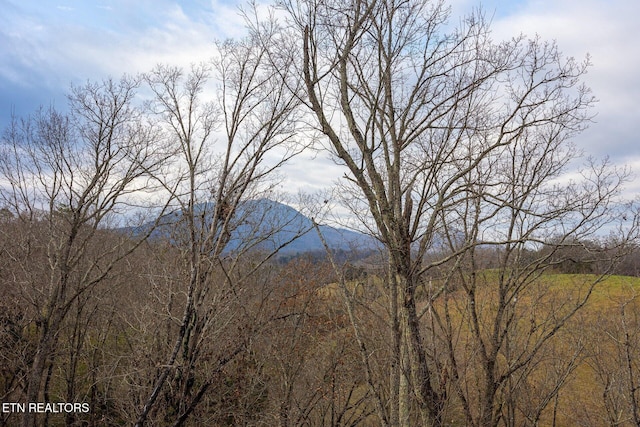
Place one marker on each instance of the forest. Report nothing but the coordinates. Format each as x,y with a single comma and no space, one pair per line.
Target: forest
143,266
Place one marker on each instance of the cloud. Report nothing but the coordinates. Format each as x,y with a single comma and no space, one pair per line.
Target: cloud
60,44
46,46
606,31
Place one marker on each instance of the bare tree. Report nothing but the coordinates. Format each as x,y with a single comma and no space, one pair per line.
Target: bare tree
451,142
228,152
612,356
64,178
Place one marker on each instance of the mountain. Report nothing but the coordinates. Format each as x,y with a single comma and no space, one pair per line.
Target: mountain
268,225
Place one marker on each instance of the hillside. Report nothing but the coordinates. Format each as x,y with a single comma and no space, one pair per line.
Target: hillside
265,224
586,375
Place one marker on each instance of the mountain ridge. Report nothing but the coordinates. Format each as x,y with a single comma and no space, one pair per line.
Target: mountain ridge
268,225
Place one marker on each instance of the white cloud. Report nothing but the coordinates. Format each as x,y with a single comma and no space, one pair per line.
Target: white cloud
96,41
48,46
607,32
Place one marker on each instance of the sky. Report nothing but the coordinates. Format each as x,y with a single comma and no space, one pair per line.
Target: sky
47,45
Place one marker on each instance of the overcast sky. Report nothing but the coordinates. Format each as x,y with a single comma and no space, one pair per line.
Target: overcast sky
47,45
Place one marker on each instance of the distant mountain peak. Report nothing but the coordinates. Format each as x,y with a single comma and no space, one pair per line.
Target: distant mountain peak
265,224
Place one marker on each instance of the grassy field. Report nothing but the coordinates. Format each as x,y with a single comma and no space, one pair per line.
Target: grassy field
602,389
594,359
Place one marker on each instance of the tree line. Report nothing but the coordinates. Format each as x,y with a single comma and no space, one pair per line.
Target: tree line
455,150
